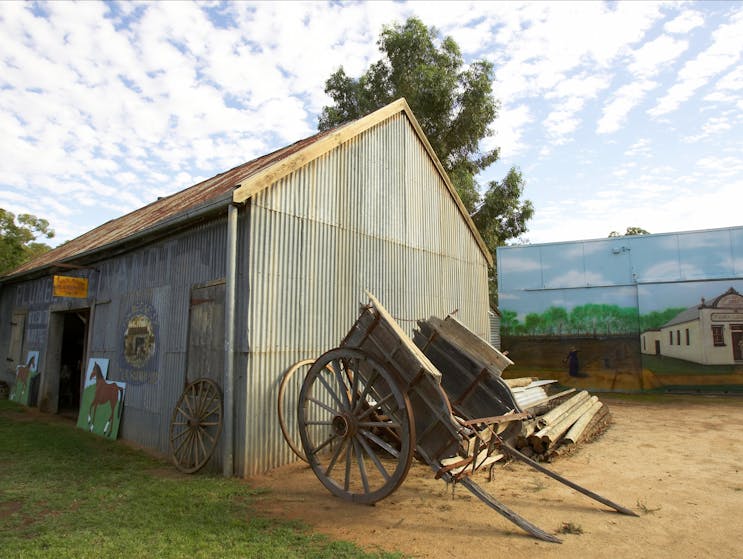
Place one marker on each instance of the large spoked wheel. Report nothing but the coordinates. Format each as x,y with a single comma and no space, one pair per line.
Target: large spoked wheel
356,426
196,425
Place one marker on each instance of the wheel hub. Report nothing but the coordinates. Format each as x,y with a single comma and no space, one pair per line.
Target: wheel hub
345,425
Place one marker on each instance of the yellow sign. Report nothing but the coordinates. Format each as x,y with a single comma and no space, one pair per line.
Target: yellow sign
66,286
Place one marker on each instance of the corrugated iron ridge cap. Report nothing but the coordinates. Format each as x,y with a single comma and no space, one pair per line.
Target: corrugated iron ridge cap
263,178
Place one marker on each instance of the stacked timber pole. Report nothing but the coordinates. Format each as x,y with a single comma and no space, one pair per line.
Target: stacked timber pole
561,421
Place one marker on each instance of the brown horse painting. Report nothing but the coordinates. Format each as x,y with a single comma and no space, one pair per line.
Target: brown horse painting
105,393
23,373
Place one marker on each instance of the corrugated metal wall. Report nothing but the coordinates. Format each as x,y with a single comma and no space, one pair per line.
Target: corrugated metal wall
159,278
372,214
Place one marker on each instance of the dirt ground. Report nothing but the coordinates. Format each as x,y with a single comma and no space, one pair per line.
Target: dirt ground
677,461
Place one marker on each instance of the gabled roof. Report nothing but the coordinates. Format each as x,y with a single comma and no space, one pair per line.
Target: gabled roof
234,186
692,313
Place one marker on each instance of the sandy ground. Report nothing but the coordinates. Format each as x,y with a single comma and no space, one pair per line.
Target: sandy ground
677,462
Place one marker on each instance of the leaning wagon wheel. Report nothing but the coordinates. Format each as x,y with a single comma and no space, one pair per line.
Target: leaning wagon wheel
196,425
356,426
289,380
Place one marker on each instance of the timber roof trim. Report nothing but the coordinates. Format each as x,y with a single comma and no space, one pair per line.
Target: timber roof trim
236,185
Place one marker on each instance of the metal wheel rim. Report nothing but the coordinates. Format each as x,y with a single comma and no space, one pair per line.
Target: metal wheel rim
195,425
348,404
283,423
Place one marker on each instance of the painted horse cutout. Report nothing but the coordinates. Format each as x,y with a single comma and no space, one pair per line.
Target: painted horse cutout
105,393
24,374
97,393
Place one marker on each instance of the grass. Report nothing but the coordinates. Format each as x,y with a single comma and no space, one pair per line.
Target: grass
570,528
66,493
645,509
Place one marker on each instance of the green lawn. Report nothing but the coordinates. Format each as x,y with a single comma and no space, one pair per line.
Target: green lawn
67,493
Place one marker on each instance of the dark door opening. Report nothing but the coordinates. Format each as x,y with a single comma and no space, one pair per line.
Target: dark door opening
657,347
736,332
74,338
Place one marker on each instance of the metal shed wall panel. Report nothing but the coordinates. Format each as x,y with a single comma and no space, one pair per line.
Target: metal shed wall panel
371,214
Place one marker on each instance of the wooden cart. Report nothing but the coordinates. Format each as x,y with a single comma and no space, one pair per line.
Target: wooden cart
367,407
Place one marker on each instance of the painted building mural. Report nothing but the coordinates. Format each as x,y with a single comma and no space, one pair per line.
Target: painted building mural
652,312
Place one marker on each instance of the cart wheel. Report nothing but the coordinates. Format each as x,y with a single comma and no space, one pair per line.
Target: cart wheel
290,381
196,425
356,426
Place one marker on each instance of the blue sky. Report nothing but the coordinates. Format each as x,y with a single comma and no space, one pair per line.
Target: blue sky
619,114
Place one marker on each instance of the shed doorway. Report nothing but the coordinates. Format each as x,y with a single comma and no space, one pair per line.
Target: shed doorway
68,337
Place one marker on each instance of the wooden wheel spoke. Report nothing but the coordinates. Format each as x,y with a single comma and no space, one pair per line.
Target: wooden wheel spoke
330,390
362,466
347,478
208,403
342,386
216,410
323,405
201,446
174,437
379,404
190,399
183,412
177,451
344,391
355,384
335,457
212,438
374,458
325,443
365,393
196,425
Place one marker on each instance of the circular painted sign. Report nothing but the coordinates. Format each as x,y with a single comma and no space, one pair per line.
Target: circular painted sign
139,340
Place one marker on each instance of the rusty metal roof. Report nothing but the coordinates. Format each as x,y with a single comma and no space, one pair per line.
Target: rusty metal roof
217,189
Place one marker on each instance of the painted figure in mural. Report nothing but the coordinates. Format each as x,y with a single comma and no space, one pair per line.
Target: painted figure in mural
23,373
105,393
573,364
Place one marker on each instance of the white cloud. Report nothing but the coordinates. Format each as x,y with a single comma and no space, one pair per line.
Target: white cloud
640,147
712,127
685,22
656,55
729,87
724,51
509,131
625,99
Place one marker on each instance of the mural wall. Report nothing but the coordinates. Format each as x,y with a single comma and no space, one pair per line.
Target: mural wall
654,312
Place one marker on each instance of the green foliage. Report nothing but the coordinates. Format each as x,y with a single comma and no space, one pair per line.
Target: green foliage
18,239
66,493
630,231
455,106
502,216
590,319
654,320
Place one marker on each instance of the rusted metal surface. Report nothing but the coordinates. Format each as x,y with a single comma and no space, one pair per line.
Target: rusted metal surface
159,212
